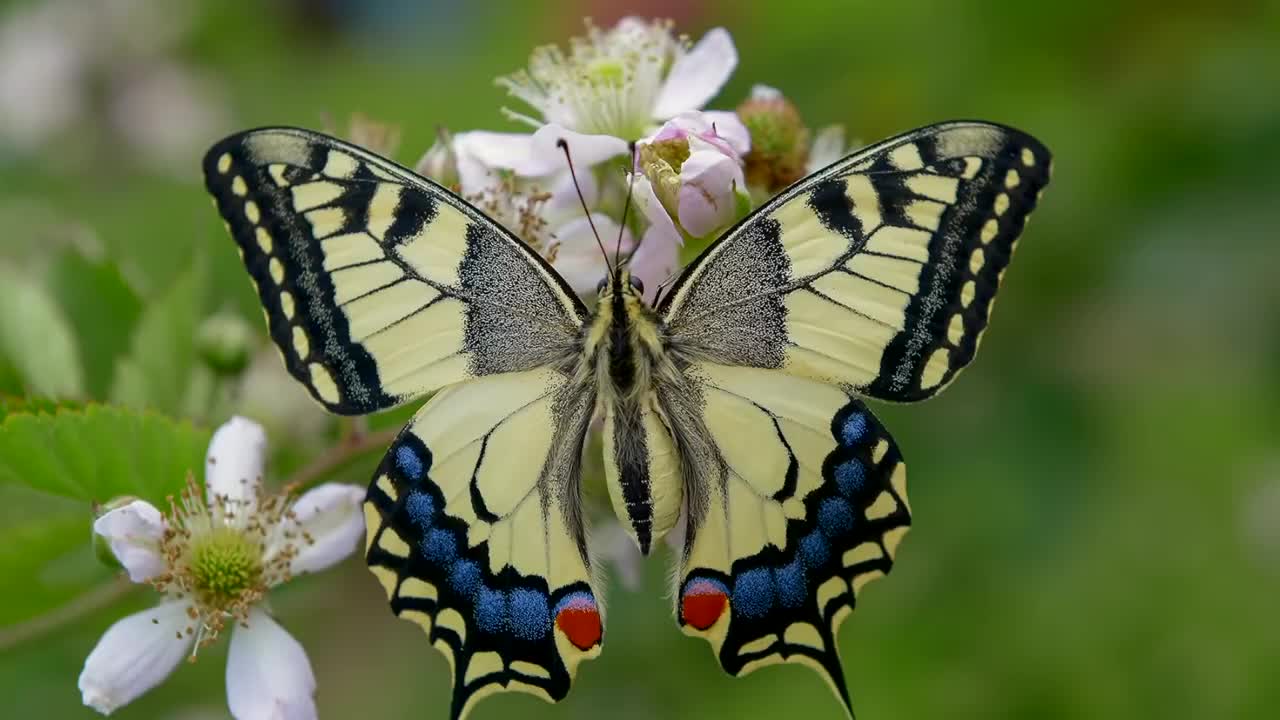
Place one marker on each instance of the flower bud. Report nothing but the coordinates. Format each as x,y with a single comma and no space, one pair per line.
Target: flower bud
779,140
693,164
223,341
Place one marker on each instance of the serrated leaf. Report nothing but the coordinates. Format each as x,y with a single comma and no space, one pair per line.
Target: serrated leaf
162,353
46,559
99,453
102,308
10,404
36,338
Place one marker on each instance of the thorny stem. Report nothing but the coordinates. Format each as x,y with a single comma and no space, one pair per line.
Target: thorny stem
106,594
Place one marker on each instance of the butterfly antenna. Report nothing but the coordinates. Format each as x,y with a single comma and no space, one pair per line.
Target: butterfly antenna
569,159
626,206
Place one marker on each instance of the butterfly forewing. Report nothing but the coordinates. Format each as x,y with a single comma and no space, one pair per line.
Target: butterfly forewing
877,272
378,285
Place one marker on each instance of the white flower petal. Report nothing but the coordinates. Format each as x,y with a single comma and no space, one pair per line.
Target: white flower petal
654,262
134,655
578,258
564,205
697,75
268,674
134,532
586,150
760,91
828,147
708,181
330,515
647,200
233,466
480,151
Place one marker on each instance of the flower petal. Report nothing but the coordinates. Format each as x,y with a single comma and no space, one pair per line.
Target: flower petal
480,151
268,674
708,182
647,200
134,655
233,467
697,75
330,516
577,256
656,259
728,127
134,532
564,205
586,150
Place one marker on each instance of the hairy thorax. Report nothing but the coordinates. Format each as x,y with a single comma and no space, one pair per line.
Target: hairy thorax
624,353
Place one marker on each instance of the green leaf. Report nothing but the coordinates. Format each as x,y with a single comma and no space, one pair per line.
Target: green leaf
156,372
36,338
102,308
99,453
46,558
10,404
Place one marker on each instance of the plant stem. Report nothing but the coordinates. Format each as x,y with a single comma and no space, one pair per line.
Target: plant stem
340,454
96,599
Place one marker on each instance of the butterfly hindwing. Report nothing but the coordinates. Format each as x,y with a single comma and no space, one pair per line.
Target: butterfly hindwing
877,272
475,532
810,505
379,285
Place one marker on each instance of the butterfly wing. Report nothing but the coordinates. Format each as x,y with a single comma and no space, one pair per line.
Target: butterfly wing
877,272
807,503
474,531
379,285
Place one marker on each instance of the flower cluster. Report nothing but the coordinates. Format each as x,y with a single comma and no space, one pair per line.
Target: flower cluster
629,102
213,557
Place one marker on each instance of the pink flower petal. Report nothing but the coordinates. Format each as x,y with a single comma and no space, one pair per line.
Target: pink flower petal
655,261
697,75
706,200
646,199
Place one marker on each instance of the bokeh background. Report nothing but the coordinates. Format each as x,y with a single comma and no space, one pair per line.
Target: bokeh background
1097,501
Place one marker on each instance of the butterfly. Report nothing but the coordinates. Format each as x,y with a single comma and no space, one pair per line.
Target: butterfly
733,410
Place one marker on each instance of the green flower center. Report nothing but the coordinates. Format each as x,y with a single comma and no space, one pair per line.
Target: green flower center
224,566
606,71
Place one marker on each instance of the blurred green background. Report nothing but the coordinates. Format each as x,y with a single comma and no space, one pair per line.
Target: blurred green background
1097,501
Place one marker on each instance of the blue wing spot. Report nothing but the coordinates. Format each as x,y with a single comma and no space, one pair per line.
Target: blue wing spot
791,584
439,546
753,592
855,428
420,508
409,462
491,610
835,517
530,614
814,550
464,577
851,477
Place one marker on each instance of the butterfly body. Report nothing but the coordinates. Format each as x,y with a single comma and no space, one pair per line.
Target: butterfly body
731,413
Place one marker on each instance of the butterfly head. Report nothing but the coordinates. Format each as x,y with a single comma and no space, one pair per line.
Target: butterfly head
619,283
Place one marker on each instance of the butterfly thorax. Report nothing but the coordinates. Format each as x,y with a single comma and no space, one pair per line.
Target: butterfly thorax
625,351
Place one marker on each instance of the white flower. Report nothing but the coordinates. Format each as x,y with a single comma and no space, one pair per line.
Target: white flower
214,557
622,81
692,168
